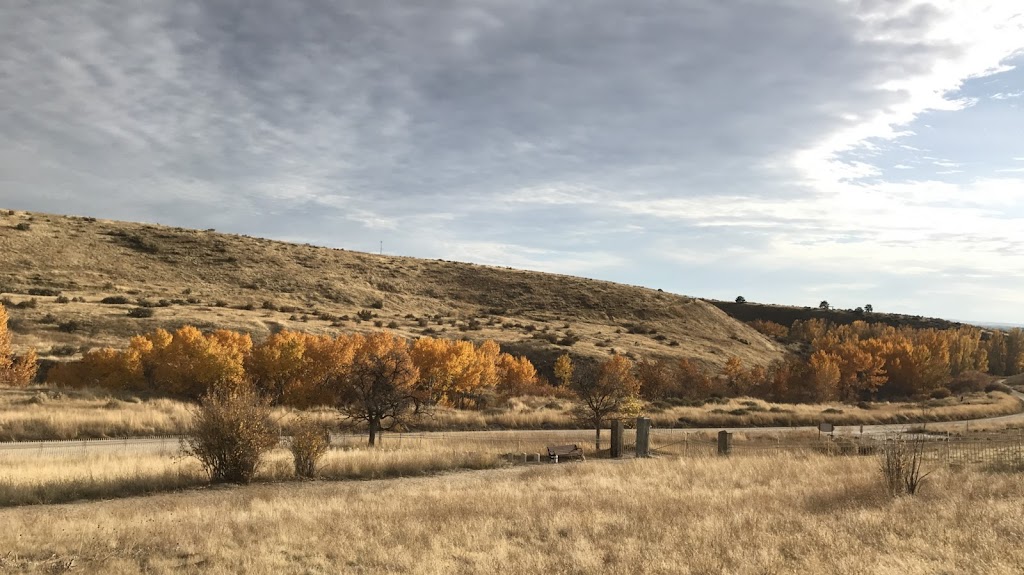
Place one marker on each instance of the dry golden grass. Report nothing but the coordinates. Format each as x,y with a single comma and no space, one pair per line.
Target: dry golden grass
55,475
44,413
208,279
30,477
748,515
746,412
41,413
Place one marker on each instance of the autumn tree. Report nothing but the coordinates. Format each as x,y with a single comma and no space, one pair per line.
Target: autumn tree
608,391
770,328
293,368
995,349
656,379
694,381
192,363
966,352
564,370
737,382
105,368
379,385
14,371
455,373
516,375
5,342
187,363
821,381
22,370
1014,351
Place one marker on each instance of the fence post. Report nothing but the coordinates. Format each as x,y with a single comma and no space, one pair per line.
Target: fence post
616,451
724,442
643,437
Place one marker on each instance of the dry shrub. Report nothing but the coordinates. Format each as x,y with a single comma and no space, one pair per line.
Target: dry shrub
231,434
310,440
900,464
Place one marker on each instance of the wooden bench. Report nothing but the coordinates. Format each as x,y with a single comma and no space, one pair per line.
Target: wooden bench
558,453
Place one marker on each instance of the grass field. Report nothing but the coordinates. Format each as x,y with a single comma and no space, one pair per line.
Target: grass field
749,515
60,475
44,413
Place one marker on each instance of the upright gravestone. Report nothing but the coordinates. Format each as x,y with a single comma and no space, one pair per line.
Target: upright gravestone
616,438
643,437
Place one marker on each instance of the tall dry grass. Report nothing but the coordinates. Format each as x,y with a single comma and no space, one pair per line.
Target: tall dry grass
746,412
742,516
54,476
43,414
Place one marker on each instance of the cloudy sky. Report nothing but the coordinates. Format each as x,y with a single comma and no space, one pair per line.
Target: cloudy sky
790,151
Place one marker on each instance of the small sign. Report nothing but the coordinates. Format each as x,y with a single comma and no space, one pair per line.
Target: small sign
826,427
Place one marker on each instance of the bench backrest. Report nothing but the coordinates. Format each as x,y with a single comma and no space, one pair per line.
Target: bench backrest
562,449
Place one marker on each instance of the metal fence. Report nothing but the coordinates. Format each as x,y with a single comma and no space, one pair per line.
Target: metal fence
1005,451
996,450
71,447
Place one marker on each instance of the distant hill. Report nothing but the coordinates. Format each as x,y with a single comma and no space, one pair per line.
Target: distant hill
786,315
216,280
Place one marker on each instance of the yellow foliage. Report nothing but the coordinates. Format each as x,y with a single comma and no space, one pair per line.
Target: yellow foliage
14,371
5,341
516,375
23,370
563,370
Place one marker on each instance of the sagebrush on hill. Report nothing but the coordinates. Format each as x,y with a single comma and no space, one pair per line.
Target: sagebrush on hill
258,286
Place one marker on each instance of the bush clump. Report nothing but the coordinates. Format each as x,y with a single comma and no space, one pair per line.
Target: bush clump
309,441
231,433
115,300
900,466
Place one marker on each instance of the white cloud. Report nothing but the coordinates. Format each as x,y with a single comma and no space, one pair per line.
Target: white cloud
559,136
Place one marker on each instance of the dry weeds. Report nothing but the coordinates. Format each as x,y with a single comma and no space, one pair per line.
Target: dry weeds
752,515
41,414
44,413
60,475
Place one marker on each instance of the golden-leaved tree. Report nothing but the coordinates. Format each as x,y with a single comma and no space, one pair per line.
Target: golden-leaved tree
14,371
379,386
609,391
516,375
293,368
458,373
564,370
186,363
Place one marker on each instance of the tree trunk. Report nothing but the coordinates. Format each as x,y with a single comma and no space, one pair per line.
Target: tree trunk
374,425
597,436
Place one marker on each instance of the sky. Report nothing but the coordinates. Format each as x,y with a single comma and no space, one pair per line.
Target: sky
853,151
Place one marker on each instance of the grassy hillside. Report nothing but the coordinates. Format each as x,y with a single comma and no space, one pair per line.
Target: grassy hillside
217,280
786,315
